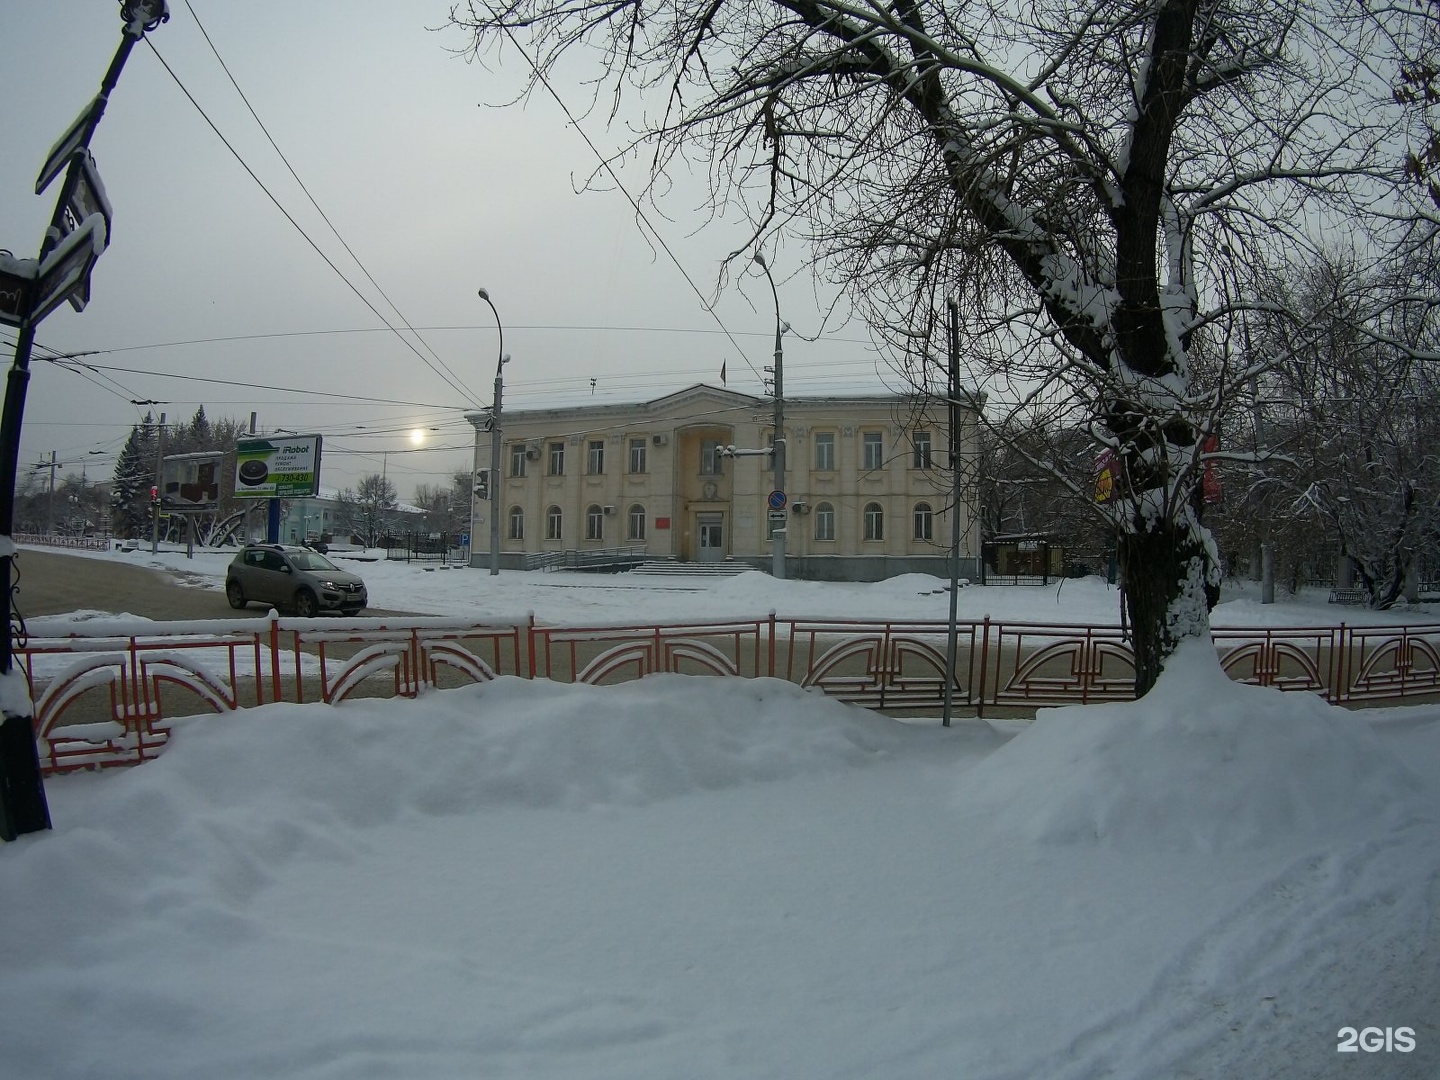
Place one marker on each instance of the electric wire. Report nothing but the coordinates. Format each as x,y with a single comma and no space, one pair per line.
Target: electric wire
323,216
464,394
619,184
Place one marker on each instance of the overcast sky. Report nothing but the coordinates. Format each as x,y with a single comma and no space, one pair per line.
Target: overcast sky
435,190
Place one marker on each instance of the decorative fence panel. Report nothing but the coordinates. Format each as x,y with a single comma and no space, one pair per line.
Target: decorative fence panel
108,693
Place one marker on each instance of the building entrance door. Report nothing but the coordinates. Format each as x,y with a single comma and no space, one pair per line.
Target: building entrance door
712,537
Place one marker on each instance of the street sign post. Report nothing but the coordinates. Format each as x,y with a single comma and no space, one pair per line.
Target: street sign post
29,290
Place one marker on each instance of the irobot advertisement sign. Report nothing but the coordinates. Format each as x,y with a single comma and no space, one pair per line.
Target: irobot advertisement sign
280,467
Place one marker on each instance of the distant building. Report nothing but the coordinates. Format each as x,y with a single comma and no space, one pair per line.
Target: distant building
867,483
324,518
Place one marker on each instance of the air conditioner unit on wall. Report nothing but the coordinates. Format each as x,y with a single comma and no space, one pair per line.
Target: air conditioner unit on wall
532,453
608,509
659,440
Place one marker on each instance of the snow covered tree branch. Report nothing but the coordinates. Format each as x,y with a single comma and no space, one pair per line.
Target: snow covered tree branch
1074,171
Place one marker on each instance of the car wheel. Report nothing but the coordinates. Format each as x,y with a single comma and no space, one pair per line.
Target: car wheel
235,594
306,606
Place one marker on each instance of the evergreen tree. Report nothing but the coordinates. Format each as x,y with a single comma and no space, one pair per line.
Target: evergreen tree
130,484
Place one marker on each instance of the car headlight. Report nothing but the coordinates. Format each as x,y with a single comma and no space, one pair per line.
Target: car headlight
330,585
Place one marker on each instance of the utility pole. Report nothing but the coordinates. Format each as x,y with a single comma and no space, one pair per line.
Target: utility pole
52,465
954,408
778,495
493,486
159,479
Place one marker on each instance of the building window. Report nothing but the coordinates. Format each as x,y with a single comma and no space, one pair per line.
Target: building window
595,461
921,443
594,523
517,459
557,459
517,523
924,522
636,519
874,522
637,455
552,523
824,451
873,448
710,458
824,522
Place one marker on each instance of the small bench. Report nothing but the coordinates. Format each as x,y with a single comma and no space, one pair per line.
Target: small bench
1348,596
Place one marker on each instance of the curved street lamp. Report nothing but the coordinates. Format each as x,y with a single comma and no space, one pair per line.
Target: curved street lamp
778,535
494,492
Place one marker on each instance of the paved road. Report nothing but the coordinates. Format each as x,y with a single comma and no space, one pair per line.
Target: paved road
55,584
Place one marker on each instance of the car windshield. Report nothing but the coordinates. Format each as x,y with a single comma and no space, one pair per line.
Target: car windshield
311,560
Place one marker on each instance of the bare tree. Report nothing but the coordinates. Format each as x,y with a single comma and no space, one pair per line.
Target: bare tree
368,511
1350,419
447,508
1418,86
1070,170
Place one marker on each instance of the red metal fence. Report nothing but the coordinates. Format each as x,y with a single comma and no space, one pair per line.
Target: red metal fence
104,697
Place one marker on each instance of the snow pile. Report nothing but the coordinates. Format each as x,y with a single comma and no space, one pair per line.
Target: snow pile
532,744
1201,762
718,878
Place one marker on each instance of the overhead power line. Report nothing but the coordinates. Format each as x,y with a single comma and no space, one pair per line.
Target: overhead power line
323,216
453,384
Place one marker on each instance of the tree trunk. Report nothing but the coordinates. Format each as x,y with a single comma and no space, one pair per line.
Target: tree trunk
1171,583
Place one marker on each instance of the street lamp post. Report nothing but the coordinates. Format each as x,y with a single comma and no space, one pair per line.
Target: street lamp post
79,231
778,534
494,492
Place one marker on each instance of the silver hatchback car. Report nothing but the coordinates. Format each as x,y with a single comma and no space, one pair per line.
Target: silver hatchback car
293,577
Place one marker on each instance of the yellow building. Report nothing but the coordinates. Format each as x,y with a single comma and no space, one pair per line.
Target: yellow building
867,484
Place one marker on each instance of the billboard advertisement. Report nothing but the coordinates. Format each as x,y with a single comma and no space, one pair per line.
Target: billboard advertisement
191,481
278,467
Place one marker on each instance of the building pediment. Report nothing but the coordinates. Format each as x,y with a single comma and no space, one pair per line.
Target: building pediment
700,395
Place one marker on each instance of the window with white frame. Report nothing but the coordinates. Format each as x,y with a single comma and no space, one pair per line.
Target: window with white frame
824,522
517,523
921,443
557,459
872,447
874,518
594,523
924,522
824,451
595,458
710,458
552,523
636,523
517,459
637,455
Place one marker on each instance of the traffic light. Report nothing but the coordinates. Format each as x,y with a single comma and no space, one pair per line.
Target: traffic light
482,485
154,495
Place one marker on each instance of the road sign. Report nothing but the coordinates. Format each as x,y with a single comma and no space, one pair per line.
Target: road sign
777,515
67,267
17,277
76,136
777,500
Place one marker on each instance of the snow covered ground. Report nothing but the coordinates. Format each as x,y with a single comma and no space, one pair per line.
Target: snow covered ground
686,878
578,598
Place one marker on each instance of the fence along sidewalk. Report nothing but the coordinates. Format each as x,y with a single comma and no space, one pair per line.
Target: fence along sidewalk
108,692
